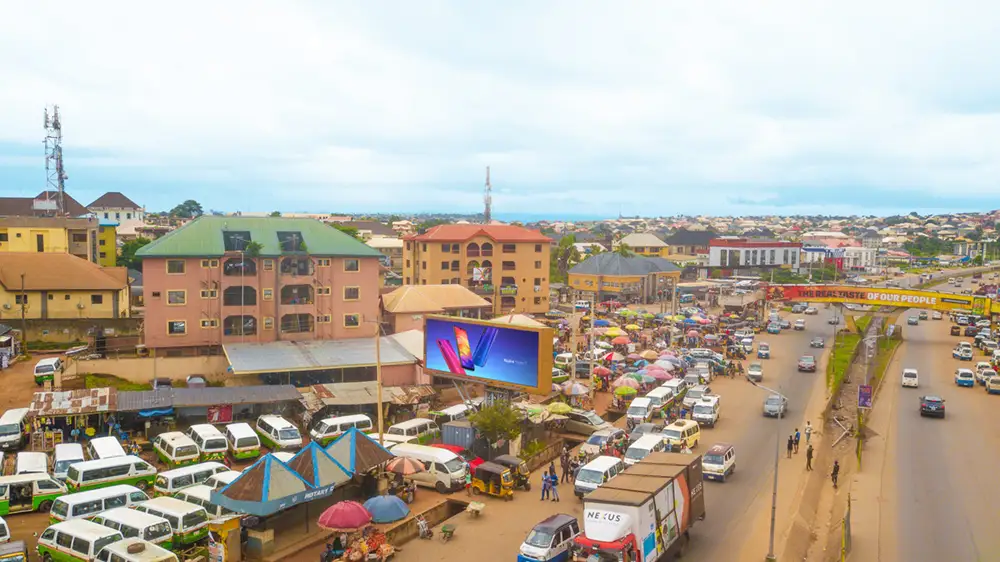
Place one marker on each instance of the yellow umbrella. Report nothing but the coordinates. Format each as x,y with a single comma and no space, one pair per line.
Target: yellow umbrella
613,332
633,327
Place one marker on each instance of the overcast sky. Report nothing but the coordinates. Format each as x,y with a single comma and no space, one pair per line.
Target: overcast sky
579,107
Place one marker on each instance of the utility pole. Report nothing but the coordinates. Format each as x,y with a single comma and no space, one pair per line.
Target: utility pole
24,321
590,341
54,172
488,200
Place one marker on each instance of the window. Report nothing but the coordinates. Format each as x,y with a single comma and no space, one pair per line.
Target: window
128,216
64,540
291,241
154,294
268,322
103,254
106,215
351,293
210,323
96,299
352,320
209,263
297,323
352,265
3,237
236,240
407,264
118,216
445,266
423,247
446,282
324,291
407,281
508,266
176,298
176,327
239,296
175,267
509,248
538,264
423,265
446,248
324,262
267,294
486,250
239,326
538,248
20,299
455,265
209,293
538,300
79,237
773,252
323,319
101,242
268,265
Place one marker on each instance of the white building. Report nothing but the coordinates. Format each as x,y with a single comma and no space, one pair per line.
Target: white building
115,206
744,253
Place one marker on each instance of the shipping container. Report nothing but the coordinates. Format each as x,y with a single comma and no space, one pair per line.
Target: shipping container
459,433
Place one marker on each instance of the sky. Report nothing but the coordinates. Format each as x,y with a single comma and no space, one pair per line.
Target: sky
580,108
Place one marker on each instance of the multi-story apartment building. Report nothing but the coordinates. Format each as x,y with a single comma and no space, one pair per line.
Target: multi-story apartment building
745,255
115,206
50,235
220,280
505,264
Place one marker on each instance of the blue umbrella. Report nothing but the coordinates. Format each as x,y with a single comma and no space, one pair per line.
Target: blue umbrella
386,509
601,323
641,363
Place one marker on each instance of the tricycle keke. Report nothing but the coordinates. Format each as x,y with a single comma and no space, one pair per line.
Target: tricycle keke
518,469
493,479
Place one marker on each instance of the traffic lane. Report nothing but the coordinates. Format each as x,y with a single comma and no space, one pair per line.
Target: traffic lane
743,425
943,511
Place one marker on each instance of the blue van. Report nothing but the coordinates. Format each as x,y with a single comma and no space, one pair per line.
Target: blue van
550,540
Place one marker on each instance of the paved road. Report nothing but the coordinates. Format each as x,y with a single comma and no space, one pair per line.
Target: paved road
941,491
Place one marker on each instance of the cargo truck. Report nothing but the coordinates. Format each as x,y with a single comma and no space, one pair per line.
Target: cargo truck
645,514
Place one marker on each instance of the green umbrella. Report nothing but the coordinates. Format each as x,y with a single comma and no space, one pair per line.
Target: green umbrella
559,408
625,391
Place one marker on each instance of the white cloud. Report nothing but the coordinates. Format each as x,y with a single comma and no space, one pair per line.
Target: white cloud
645,104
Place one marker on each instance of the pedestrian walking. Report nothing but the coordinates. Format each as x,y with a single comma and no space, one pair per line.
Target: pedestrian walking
552,468
468,480
835,473
798,436
545,486
791,445
809,457
554,486
565,468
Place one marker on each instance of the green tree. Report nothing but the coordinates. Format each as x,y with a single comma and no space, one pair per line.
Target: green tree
428,224
497,421
394,218
624,250
253,249
275,213
187,210
347,229
564,256
127,257
976,235
978,260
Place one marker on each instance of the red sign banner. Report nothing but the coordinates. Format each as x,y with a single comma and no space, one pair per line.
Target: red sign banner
222,413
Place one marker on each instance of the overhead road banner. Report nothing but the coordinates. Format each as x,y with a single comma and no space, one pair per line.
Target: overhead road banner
508,356
904,298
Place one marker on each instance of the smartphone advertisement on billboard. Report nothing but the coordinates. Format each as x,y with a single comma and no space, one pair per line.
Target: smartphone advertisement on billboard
502,355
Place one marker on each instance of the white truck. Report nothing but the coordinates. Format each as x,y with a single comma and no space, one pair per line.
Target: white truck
645,513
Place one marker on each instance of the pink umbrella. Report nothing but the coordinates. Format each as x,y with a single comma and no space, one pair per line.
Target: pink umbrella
626,381
348,516
633,357
621,340
692,333
654,367
667,354
659,374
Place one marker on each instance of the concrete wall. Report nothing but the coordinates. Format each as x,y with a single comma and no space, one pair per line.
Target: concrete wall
70,330
400,375
142,370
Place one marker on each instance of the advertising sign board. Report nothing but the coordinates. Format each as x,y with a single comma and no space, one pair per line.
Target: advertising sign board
864,396
905,298
500,355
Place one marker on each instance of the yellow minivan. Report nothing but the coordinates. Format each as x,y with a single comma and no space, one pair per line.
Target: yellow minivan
682,433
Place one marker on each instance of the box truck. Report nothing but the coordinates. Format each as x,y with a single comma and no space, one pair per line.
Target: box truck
645,514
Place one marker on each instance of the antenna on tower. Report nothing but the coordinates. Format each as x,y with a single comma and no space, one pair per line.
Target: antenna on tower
54,172
488,199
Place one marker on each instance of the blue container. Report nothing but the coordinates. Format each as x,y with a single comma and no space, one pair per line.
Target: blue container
459,433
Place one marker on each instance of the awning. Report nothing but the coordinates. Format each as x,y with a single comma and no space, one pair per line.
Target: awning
267,487
73,402
168,398
286,356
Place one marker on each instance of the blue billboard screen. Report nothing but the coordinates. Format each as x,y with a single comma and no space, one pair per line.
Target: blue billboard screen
503,355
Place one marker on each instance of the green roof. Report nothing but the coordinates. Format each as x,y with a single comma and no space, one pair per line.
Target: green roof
204,237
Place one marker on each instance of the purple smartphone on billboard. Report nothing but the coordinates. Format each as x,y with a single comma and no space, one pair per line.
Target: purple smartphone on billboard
497,354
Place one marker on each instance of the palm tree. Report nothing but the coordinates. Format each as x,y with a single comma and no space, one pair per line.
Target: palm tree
624,251
564,256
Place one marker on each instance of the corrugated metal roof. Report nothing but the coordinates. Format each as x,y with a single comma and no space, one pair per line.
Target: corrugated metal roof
285,356
74,402
135,401
210,396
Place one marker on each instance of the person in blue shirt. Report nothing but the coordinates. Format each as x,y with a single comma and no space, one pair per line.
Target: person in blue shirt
554,485
545,485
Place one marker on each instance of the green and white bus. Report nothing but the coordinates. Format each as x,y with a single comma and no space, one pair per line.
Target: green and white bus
132,523
28,492
202,495
278,434
89,475
75,541
418,431
243,442
135,550
175,449
92,502
211,442
189,521
170,481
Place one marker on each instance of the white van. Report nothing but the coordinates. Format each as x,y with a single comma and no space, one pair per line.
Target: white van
648,443
640,410
104,448
135,550
129,470
171,481
220,480
661,398
595,473
243,441
189,521
210,441
326,430
86,504
706,410
445,471
4,533
202,495
31,463
29,492
277,433
45,369
564,361
132,523
676,386
64,455
719,462
13,429
694,394
451,413
175,449
417,430
75,540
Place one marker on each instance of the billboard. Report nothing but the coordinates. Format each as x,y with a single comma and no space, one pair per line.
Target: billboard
905,298
501,355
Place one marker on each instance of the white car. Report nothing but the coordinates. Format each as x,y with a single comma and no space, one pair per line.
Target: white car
983,324
910,378
811,310
935,315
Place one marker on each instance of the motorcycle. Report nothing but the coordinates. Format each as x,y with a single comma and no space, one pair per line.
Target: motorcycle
331,553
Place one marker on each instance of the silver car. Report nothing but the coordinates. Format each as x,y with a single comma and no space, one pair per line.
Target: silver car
775,406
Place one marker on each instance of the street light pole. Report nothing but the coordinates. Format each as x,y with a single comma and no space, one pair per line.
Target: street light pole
771,557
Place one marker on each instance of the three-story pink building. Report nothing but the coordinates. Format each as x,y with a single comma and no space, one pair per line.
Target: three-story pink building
224,280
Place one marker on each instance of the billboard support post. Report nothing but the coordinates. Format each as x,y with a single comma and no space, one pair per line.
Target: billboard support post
590,344
495,395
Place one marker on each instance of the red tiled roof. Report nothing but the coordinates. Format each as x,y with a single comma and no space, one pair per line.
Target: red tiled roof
114,200
463,232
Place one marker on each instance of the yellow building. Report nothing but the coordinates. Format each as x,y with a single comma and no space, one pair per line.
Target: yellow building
611,276
107,243
645,244
75,236
506,265
58,285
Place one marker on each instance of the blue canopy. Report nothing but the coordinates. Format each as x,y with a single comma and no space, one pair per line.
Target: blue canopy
357,451
317,467
386,509
601,323
267,487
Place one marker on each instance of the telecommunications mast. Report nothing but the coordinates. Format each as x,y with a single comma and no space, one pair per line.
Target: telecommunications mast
488,199
54,172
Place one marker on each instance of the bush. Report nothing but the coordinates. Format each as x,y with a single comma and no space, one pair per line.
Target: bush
840,360
531,449
111,381
497,421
